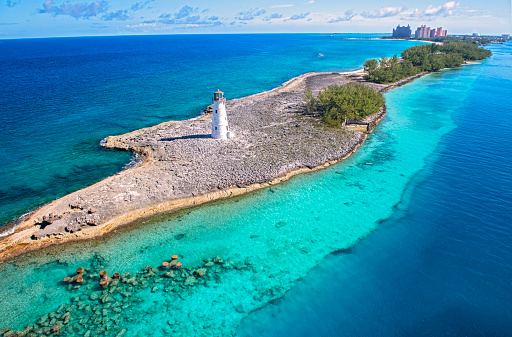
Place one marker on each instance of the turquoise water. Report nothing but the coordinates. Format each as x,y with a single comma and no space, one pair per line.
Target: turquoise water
275,240
61,96
441,265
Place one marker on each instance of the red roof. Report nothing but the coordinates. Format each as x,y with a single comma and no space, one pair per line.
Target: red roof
218,92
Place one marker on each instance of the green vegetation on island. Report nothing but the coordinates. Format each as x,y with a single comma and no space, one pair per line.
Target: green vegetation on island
417,59
478,40
337,104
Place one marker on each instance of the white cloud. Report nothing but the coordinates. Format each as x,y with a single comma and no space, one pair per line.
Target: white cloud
188,16
120,15
299,16
443,10
347,17
449,8
281,6
250,14
76,10
383,12
273,16
143,24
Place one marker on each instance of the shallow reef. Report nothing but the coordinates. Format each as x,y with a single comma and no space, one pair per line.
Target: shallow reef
107,305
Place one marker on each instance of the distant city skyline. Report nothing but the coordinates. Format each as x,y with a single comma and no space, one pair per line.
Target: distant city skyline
55,18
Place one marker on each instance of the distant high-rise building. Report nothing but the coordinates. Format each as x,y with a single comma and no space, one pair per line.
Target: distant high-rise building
440,32
425,32
402,31
505,36
422,32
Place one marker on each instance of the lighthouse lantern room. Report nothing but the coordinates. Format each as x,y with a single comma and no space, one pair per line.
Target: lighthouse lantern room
220,128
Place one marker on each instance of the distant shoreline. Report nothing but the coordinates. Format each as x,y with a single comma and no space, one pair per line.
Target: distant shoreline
400,39
391,39
138,193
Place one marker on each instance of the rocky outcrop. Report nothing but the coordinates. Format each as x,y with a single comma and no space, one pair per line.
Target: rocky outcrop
183,166
67,222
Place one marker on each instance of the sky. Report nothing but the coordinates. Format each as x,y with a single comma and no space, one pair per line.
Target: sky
58,18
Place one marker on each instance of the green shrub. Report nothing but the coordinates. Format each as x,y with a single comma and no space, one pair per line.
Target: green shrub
336,104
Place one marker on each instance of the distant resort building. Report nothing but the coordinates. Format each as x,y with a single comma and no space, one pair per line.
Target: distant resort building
422,32
425,32
441,32
402,31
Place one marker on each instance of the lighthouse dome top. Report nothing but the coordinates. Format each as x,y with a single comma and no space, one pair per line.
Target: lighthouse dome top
218,96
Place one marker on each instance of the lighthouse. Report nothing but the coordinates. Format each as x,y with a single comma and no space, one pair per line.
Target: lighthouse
220,128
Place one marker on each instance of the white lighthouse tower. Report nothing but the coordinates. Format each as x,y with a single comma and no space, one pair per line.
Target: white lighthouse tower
220,128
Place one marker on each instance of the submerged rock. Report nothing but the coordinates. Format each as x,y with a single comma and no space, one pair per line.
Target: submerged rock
191,280
105,312
121,333
280,224
170,274
106,299
66,318
5,331
43,319
200,272
239,308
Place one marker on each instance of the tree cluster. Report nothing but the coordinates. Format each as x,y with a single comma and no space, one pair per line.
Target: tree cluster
477,40
416,59
389,70
337,104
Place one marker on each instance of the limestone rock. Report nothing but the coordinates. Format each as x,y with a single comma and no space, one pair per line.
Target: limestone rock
200,272
191,280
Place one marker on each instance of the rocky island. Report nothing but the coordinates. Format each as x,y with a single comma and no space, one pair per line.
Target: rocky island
183,166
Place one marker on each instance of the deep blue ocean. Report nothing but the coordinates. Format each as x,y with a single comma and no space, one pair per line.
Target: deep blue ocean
409,236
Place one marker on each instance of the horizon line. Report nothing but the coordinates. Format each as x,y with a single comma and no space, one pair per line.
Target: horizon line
231,33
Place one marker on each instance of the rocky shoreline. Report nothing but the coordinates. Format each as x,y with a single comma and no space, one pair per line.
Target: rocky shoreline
184,167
